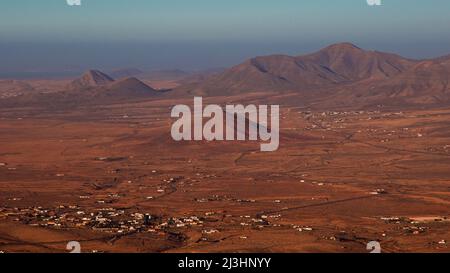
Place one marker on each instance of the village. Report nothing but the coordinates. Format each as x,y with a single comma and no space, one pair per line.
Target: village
226,198
122,222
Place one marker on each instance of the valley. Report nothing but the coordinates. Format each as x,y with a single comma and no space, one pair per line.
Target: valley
364,150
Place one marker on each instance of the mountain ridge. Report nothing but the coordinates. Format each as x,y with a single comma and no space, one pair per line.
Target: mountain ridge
336,64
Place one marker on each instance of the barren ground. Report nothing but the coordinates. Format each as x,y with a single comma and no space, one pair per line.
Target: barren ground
338,181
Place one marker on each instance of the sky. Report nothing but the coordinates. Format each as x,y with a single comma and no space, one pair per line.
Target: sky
50,35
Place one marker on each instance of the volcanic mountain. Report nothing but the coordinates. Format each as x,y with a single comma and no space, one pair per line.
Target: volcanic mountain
337,64
94,87
128,87
340,75
354,63
97,83
91,78
427,82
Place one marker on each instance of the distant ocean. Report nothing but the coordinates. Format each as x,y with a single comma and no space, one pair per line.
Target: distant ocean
39,75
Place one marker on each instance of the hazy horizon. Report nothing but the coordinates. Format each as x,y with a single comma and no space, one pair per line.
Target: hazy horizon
49,36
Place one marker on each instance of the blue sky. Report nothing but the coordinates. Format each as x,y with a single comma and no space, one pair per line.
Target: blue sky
195,34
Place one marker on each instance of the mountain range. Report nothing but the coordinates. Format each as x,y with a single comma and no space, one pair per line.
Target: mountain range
93,87
334,65
342,74
338,75
95,83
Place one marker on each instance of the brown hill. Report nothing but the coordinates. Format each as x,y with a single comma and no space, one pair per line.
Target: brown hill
337,64
341,75
354,63
12,88
97,84
91,78
129,87
425,83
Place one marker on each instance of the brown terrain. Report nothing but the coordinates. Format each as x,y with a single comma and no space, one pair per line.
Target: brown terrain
364,156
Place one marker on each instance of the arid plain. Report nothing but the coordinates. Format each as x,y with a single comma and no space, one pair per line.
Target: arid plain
108,175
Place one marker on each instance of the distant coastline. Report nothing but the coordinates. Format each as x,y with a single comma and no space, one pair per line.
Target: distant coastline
38,75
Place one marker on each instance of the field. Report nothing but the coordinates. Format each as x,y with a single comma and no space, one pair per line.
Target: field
111,177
